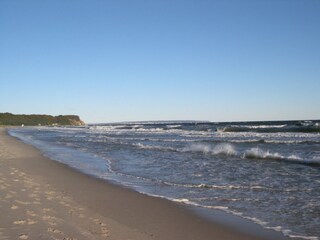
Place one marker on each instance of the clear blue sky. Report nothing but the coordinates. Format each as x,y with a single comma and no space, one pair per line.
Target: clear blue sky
161,60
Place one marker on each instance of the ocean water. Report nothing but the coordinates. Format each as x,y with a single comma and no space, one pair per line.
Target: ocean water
267,172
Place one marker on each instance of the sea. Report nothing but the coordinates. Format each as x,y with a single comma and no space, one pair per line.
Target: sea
265,172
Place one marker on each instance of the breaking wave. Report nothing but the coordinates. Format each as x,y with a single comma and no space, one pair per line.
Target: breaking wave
220,149
257,153
227,149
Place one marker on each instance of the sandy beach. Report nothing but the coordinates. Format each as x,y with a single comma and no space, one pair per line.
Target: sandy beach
44,199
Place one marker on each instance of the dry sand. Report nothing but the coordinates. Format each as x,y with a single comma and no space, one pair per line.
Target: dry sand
44,199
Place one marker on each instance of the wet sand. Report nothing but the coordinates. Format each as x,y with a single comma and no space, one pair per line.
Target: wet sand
44,199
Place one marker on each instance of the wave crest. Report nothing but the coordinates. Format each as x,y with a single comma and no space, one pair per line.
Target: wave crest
226,149
262,154
220,149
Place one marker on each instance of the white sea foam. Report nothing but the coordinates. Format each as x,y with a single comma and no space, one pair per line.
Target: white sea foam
144,146
289,233
141,129
188,202
290,141
221,129
226,149
204,185
303,237
220,149
170,129
260,126
174,126
258,221
265,154
259,153
316,158
270,135
181,200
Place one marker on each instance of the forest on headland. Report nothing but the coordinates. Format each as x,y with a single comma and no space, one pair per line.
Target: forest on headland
10,119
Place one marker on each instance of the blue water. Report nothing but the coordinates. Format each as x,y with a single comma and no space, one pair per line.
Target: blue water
267,172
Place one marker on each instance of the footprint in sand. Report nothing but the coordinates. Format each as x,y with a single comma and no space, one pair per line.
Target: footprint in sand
20,222
57,232
53,230
46,210
14,207
31,222
23,236
25,222
103,230
22,174
50,195
65,204
51,220
22,202
47,218
31,213
33,195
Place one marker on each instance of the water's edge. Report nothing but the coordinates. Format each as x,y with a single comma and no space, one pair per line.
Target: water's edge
264,173
217,215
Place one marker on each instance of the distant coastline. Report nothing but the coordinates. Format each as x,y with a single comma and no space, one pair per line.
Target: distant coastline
10,119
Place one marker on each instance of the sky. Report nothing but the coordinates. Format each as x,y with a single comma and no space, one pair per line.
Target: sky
137,60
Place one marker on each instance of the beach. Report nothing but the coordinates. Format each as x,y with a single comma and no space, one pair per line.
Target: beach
44,199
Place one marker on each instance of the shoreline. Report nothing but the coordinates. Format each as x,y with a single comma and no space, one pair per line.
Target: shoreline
125,212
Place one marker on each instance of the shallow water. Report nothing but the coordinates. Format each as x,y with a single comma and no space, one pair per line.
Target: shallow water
267,172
